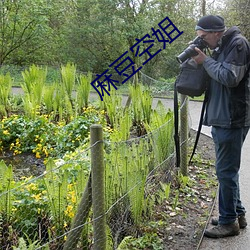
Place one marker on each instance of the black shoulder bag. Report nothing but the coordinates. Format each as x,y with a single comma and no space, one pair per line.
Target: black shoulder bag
191,81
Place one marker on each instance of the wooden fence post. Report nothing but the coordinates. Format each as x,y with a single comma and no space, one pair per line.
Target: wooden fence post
98,194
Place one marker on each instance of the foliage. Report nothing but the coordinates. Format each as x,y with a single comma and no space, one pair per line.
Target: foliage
112,105
6,184
162,141
52,32
147,241
44,138
22,23
5,89
83,90
51,201
68,73
34,81
43,206
141,106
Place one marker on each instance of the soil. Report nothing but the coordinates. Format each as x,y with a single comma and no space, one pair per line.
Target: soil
186,223
25,164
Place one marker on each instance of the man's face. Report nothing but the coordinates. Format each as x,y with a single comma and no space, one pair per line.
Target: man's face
211,38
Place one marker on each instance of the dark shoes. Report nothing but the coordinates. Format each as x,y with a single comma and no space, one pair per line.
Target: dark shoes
241,219
221,231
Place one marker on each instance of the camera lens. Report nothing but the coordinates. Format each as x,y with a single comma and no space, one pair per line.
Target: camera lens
190,51
187,53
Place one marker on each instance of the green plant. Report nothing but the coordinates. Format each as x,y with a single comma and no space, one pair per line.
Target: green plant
113,108
83,91
5,90
176,199
48,98
126,173
30,208
184,181
34,81
141,103
161,126
164,191
68,74
6,196
29,245
147,241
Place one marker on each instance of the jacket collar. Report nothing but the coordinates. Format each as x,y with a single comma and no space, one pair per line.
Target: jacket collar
231,32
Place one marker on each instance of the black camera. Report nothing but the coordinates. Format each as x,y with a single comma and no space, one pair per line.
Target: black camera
190,51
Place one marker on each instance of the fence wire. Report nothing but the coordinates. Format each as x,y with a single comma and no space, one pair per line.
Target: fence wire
42,212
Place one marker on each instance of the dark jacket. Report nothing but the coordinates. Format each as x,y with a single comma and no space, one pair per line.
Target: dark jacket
228,103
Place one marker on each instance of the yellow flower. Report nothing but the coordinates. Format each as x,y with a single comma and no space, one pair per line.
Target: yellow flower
37,196
73,199
14,209
6,132
38,156
69,211
31,187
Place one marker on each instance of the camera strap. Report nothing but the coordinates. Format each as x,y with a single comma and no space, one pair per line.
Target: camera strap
199,127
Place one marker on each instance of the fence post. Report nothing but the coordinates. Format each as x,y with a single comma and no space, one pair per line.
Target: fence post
184,135
98,195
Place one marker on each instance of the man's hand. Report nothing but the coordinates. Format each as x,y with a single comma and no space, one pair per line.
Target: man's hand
200,58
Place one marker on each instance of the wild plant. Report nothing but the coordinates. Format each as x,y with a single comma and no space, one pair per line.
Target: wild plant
122,128
29,245
5,90
62,106
6,204
64,183
56,187
6,184
68,74
33,86
126,172
48,98
113,108
141,106
161,129
83,91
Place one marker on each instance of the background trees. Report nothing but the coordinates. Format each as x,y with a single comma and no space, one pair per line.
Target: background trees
93,33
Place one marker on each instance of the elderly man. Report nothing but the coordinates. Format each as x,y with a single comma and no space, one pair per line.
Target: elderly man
228,112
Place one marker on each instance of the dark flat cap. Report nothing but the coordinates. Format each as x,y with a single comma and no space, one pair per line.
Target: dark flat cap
210,23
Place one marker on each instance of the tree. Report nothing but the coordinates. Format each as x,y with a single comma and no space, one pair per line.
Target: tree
237,13
20,22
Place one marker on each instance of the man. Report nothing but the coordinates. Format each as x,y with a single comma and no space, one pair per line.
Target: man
228,112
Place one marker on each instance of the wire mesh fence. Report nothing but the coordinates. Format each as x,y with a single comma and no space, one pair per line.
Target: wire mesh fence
44,211
57,209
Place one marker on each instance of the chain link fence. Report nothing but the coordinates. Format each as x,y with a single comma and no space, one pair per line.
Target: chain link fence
96,200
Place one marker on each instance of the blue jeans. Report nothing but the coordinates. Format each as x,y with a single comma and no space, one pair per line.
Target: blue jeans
228,145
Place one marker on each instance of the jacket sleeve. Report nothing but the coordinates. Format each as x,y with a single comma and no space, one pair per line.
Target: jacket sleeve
234,66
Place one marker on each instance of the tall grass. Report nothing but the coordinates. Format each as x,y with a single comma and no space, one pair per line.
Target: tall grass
68,74
5,90
34,80
83,91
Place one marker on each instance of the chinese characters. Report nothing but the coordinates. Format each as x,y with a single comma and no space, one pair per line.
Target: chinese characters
125,66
